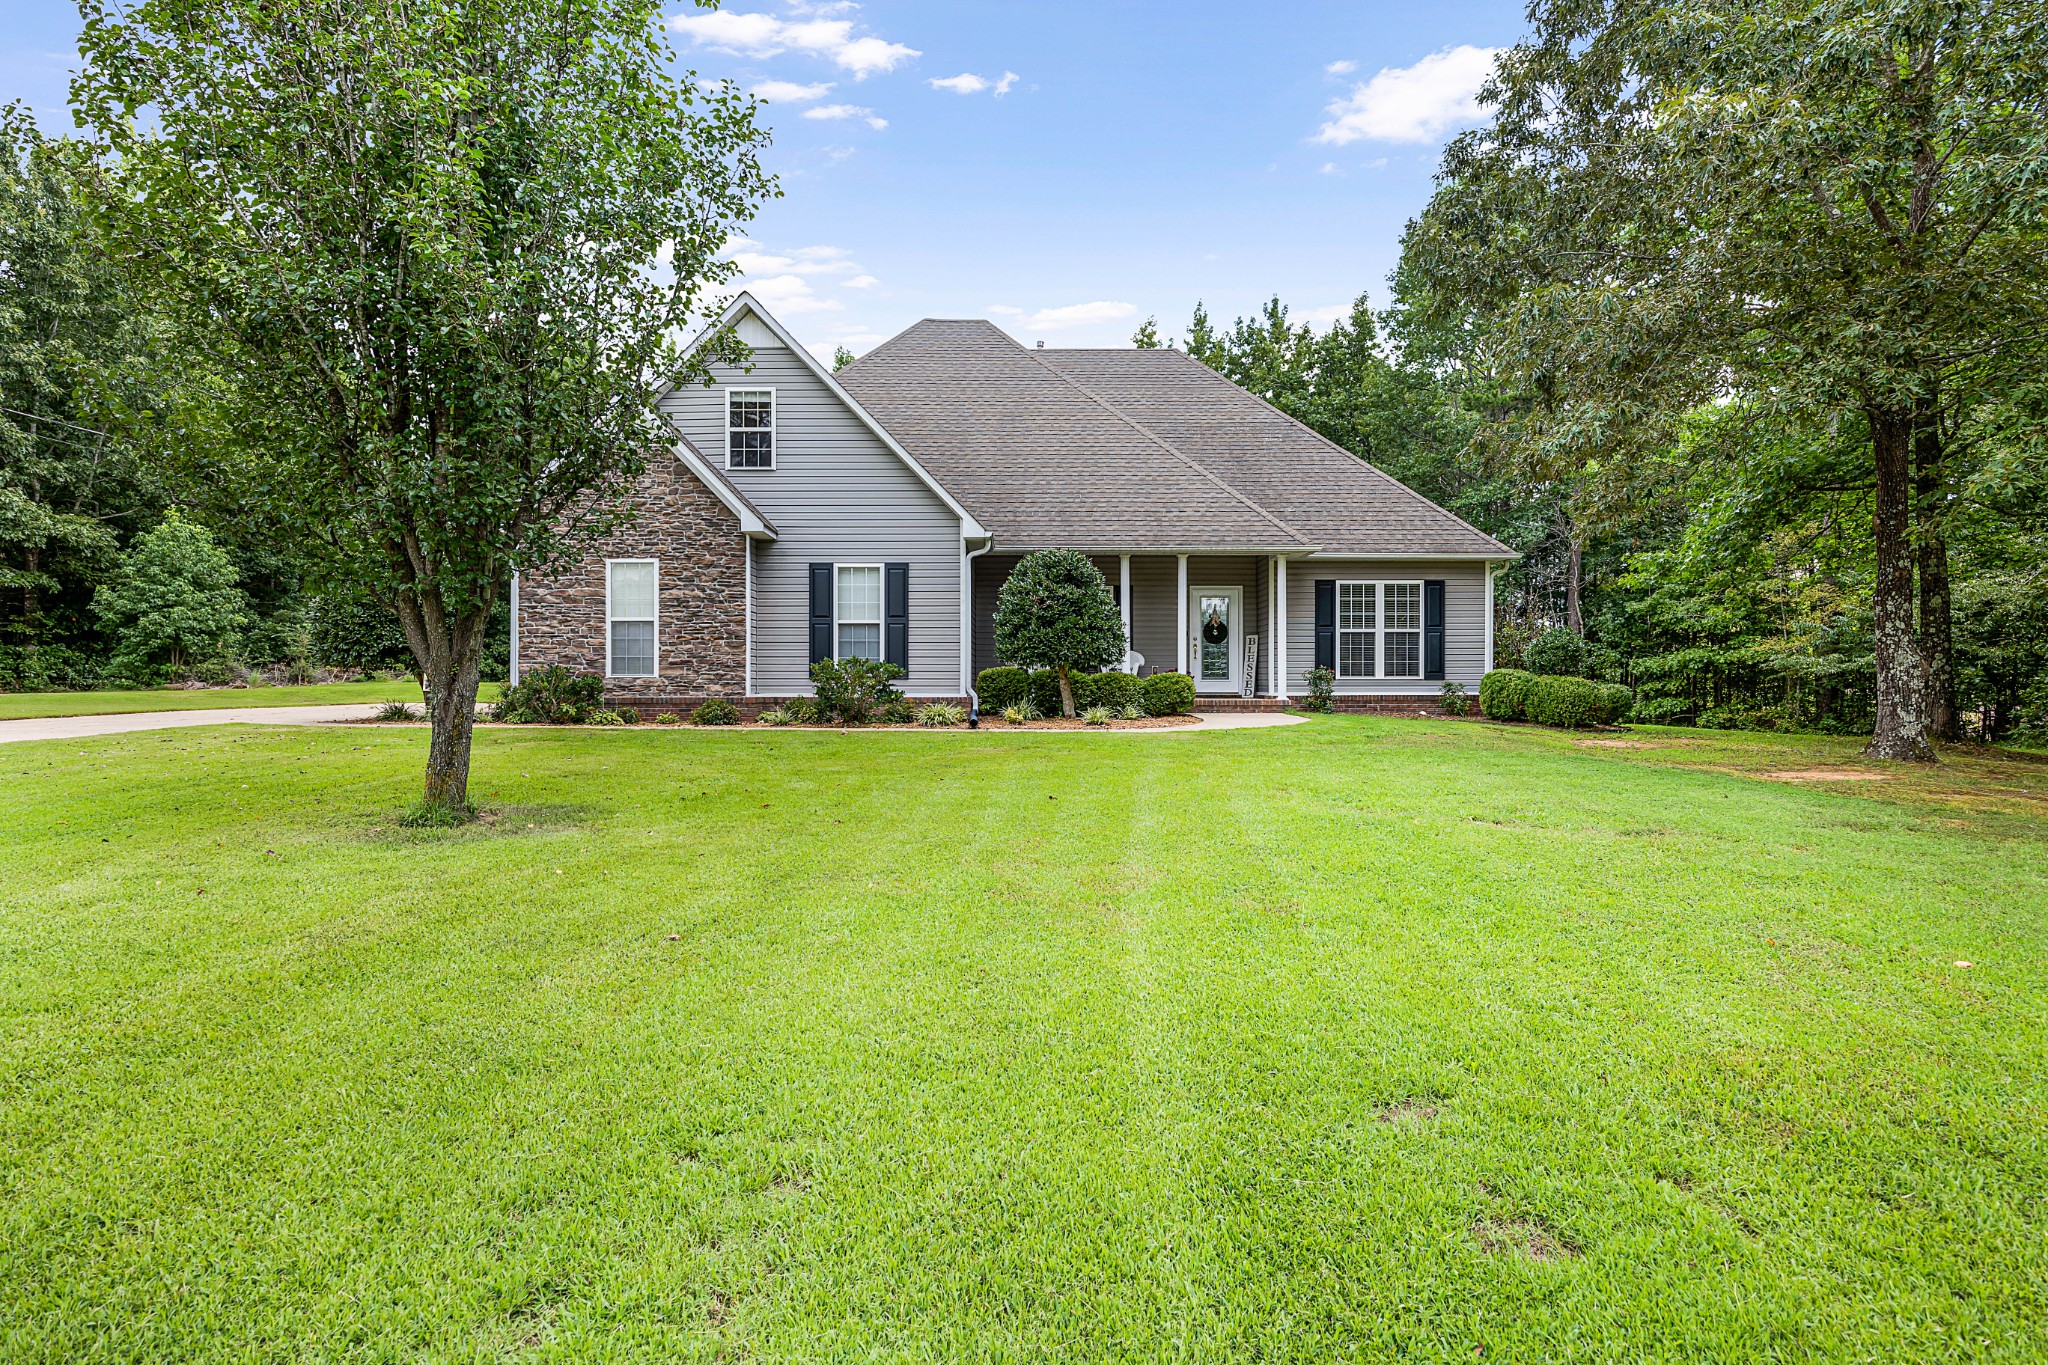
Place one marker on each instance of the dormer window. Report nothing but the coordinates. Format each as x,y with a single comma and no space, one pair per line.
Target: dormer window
750,428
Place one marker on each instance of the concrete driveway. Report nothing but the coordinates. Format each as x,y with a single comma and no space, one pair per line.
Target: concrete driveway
82,727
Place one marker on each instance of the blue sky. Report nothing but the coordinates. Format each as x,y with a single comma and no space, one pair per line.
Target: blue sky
1064,170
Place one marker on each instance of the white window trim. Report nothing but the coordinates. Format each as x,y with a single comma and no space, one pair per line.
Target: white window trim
609,618
1379,631
774,426
881,621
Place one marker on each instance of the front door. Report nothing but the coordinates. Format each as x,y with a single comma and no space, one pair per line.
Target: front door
1217,617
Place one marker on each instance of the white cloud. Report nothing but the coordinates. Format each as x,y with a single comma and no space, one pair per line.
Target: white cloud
790,92
860,282
837,111
1343,68
1320,317
967,83
1328,168
786,281
1079,315
1005,310
1418,103
764,35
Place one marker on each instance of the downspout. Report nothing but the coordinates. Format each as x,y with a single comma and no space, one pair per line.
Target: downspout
512,665
967,558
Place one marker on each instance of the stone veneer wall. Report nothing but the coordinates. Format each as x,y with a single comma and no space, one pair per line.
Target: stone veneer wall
701,619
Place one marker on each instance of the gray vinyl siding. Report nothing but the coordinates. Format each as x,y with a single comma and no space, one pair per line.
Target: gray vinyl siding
1464,619
837,494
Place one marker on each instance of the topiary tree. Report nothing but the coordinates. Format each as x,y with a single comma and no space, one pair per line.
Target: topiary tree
1056,612
172,602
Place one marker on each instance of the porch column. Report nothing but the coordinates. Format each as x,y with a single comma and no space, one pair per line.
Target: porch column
512,672
1123,565
1279,650
1180,617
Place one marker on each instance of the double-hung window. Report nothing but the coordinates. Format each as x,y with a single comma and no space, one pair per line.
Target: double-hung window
629,597
857,611
1379,630
750,428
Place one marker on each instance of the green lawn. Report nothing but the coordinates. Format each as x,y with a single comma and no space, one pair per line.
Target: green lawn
1363,1039
23,705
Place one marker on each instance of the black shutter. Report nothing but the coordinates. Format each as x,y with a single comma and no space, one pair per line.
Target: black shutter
821,612
1433,628
1326,623
896,615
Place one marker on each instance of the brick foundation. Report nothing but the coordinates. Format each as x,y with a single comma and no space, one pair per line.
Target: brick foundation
750,708
701,642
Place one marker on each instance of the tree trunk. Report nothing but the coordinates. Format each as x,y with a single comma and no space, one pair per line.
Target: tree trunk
449,649
1937,639
1901,681
1574,621
1066,694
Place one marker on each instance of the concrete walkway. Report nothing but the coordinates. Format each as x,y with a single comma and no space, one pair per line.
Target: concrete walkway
83,727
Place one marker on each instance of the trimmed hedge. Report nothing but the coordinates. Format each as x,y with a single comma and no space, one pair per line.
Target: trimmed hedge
1167,694
1504,694
1045,691
1112,690
998,689
1615,701
1567,703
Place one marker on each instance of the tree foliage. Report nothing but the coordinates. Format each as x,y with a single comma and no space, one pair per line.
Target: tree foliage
439,253
1055,611
172,602
1829,212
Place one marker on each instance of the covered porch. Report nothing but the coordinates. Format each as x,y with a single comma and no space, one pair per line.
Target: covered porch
1220,618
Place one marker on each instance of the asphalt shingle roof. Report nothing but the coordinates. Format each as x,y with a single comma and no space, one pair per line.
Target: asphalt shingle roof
1131,450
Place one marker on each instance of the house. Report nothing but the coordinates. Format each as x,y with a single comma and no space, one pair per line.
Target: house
805,515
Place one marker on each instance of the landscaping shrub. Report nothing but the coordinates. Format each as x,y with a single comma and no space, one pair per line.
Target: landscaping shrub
1044,692
802,711
939,713
629,715
1135,711
1168,694
1556,652
716,711
896,712
1453,698
998,689
602,716
396,710
852,691
1022,713
1615,701
1504,694
1567,703
775,715
1113,691
551,695
1095,715
668,718
1322,690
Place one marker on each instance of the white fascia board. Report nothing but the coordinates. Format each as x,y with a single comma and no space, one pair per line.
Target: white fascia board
750,520
1493,555
970,529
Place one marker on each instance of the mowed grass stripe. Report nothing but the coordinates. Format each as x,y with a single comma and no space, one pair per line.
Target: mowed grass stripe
1362,1038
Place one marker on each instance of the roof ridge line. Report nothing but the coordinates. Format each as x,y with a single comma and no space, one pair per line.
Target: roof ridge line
1190,461
1347,454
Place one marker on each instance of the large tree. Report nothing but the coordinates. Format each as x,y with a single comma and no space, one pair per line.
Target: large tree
440,253
76,358
1825,210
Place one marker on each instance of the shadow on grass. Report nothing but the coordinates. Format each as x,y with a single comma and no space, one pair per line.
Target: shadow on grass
492,822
